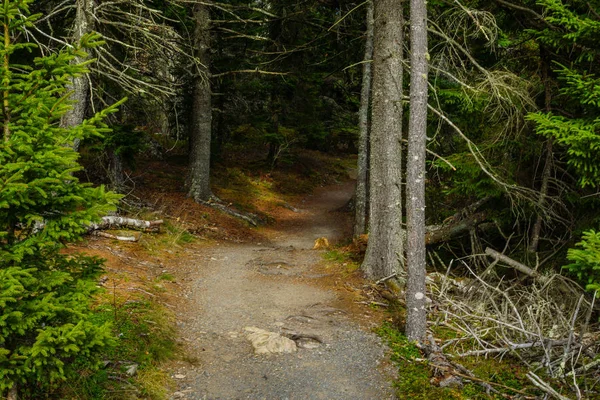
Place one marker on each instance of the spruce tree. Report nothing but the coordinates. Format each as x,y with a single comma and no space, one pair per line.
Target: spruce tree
45,294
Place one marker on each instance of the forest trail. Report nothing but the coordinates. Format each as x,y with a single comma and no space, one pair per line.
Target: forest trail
277,285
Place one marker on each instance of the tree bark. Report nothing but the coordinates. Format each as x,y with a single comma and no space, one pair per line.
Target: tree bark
360,219
116,176
385,248
201,127
84,24
537,227
416,322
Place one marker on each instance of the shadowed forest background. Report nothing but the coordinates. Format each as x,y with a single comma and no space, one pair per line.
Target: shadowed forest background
217,118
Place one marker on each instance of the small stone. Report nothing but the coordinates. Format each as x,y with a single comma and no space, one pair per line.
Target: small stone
131,369
179,376
307,343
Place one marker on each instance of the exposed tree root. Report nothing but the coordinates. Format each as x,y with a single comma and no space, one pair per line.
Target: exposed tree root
216,203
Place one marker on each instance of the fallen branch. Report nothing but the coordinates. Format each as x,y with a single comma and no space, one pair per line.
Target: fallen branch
443,370
442,233
545,387
386,278
584,368
116,237
511,347
515,264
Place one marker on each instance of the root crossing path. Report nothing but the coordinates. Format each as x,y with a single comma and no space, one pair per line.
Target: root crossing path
275,286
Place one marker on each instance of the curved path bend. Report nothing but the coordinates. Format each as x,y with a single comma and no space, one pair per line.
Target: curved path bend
276,287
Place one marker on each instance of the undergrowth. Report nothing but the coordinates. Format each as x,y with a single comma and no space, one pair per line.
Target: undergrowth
144,334
414,379
143,329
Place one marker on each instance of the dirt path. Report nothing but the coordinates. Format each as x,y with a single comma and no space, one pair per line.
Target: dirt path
276,287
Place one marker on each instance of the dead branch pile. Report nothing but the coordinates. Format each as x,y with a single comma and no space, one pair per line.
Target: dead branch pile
549,323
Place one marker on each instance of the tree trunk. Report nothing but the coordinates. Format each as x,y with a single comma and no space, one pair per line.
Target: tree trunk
84,24
116,176
201,127
385,248
360,219
537,227
416,324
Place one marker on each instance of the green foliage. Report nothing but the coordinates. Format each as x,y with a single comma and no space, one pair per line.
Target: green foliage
567,27
579,133
145,336
585,260
45,295
580,139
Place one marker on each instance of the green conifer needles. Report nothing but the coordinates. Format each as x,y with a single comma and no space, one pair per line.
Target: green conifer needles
45,295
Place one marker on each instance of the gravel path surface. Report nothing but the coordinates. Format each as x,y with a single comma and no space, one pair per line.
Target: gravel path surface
273,286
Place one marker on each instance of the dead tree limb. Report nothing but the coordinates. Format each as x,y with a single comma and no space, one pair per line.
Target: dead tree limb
514,346
515,264
442,233
117,237
545,387
444,371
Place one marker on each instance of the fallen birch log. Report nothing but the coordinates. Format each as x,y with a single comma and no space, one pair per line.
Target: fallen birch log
111,222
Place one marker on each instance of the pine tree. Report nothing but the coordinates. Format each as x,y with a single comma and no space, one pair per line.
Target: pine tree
45,295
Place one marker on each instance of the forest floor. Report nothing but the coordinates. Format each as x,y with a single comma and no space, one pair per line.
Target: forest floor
207,276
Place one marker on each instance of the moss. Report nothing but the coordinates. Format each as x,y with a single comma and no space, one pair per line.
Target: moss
414,373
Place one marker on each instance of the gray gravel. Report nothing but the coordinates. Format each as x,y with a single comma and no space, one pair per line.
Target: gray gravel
272,287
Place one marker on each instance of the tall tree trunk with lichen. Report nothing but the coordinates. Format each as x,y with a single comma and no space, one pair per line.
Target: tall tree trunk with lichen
385,248
416,323
84,24
201,126
363,141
